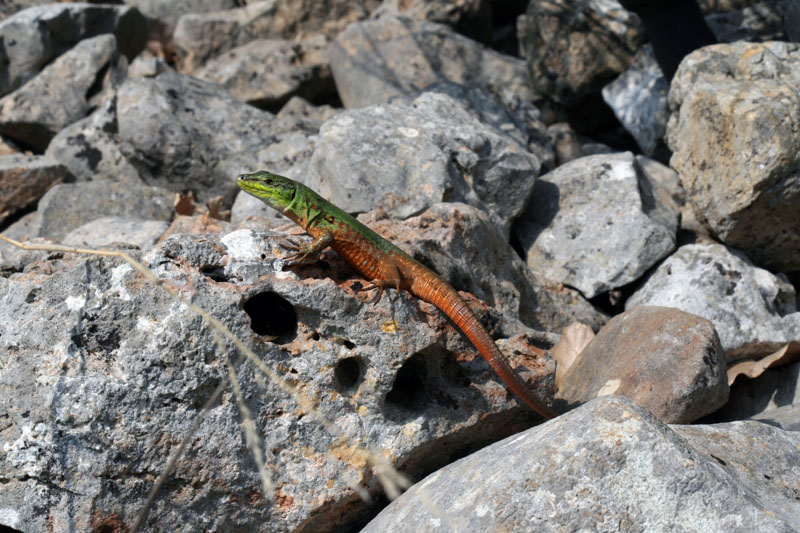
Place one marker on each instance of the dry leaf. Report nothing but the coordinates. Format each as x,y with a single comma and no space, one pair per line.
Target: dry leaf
752,368
574,339
184,204
215,210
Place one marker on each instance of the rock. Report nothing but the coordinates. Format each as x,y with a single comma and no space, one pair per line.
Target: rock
472,18
266,73
735,146
200,36
573,49
69,206
91,149
105,374
609,465
519,120
163,15
181,131
753,311
762,397
761,21
114,230
460,243
19,230
566,142
34,37
668,189
404,159
60,94
301,111
638,98
375,60
664,359
596,224
786,418
791,21
24,179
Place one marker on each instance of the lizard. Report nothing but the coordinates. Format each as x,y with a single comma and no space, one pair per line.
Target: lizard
379,261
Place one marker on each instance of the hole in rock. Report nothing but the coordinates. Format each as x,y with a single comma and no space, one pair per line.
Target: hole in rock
347,373
216,273
408,390
271,315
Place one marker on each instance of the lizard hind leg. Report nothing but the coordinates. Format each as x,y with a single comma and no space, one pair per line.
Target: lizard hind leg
390,278
380,284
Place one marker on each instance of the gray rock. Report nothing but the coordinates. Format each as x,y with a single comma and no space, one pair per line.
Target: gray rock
300,110
406,158
182,130
163,15
519,120
638,98
761,398
735,146
24,179
472,18
665,360
786,418
667,186
20,231
200,36
91,149
460,243
68,206
34,37
267,72
610,466
60,94
375,60
596,224
105,374
105,231
574,48
753,311
791,20
761,21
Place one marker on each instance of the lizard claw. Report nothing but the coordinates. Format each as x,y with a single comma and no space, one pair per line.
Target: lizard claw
371,286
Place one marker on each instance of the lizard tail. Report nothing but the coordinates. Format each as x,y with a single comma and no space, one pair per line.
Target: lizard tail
434,290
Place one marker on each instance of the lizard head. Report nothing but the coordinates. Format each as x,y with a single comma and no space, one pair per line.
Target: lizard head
275,191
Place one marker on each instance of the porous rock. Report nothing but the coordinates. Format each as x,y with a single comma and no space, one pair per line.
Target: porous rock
104,374
664,359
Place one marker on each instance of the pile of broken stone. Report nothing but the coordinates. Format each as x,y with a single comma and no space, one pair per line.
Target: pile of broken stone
633,244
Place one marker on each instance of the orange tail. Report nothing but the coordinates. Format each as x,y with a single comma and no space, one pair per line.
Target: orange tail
434,290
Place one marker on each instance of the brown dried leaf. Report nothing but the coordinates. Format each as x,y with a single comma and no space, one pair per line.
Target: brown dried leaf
752,368
574,339
215,210
184,204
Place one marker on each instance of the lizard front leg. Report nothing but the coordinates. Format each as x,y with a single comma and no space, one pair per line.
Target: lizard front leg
306,252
